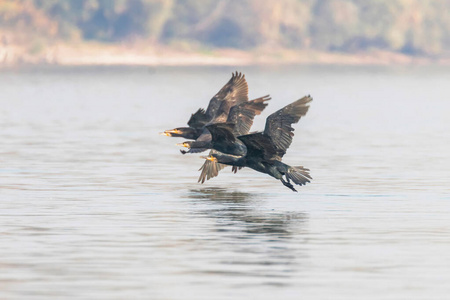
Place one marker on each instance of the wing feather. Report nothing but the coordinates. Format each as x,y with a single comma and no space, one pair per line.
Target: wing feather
242,115
210,169
235,91
198,119
278,125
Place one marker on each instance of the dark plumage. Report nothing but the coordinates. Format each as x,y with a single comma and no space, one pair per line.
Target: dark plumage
240,119
234,92
238,122
263,151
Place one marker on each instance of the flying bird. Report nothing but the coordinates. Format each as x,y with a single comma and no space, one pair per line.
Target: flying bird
241,116
231,105
234,92
262,151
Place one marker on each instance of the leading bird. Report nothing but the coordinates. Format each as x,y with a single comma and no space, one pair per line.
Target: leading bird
234,92
231,105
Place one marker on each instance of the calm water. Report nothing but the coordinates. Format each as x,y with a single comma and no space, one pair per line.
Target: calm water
96,205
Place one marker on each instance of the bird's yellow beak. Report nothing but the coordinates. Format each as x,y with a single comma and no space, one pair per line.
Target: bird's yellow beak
170,132
186,145
211,158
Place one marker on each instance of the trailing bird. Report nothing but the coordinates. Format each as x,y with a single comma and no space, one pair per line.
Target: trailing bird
262,151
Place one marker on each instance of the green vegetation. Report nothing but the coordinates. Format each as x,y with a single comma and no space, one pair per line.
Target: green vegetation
414,27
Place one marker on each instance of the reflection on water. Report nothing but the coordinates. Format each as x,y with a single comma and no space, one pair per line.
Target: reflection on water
263,243
241,209
94,204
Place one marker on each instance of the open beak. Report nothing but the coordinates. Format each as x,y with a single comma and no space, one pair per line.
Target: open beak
170,132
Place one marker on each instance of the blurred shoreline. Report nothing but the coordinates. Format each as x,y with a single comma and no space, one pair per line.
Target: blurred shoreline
97,54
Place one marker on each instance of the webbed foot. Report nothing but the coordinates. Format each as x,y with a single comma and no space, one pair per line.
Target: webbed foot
288,184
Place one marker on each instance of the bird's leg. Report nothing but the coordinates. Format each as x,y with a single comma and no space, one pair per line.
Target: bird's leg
182,151
287,178
288,184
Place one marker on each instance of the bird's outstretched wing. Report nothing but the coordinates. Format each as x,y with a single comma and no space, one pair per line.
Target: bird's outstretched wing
210,169
278,125
198,119
242,115
235,91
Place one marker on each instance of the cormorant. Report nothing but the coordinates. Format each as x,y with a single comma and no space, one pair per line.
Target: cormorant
262,151
240,116
234,92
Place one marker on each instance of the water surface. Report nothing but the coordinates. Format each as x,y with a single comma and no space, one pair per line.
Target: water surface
96,205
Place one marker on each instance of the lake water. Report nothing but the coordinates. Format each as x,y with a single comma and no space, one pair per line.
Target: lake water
96,205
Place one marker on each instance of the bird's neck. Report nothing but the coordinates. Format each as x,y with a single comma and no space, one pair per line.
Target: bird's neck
192,133
229,159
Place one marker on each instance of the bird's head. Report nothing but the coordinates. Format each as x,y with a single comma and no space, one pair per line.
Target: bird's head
185,144
176,132
209,157
186,132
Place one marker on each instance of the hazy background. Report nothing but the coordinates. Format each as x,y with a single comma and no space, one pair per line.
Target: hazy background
94,204
32,28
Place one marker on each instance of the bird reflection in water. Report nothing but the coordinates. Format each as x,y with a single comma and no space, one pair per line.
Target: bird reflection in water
240,208
266,243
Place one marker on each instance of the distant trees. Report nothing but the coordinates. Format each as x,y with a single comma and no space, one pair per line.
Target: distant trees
408,26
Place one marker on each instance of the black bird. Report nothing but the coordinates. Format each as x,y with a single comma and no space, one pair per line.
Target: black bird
240,116
234,92
263,151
